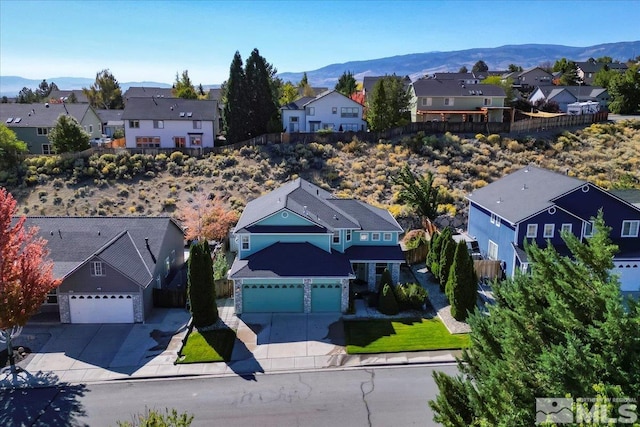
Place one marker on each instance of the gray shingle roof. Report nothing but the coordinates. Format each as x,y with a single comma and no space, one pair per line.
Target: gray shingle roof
169,109
291,260
39,115
318,206
434,87
109,115
79,94
148,92
523,193
581,93
375,253
119,241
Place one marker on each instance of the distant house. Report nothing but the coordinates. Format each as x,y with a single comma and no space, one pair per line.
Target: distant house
463,78
451,100
299,246
111,121
170,123
109,266
587,70
59,96
329,110
529,78
148,92
32,122
314,90
565,95
535,204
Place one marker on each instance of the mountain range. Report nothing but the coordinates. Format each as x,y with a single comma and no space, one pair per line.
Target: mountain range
413,65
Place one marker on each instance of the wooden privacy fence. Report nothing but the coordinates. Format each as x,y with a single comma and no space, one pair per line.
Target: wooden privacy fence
416,255
224,288
486,268
544,123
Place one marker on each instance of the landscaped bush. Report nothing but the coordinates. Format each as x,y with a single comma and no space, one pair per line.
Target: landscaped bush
387,303
411,296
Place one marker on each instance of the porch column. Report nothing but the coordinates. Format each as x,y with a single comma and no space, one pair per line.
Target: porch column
237,295
307,295
63,306
371,276
344,300
395,273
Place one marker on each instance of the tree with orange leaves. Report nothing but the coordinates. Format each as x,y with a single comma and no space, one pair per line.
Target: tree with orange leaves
25,272
207,217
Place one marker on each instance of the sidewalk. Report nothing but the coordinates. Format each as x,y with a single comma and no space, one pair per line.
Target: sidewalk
267,343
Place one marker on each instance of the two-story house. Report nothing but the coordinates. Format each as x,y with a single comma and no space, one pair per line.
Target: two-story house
529,78
587,70
535,204
329,110
565,95
109,266
299,245
170,123
451,100
32,122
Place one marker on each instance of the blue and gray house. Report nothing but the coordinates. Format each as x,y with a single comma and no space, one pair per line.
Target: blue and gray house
299,247
536,204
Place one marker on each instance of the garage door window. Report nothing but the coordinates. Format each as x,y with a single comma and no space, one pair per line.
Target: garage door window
97,268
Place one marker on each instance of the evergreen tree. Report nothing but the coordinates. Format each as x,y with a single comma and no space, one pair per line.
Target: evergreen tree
463,69
570,75
68,135
387,303
433,257
263,110
480,66
236,103
447,252
44,90
105,93
462,283
436,263
385,279
625,91
389,104
200,285
26,96
346,84
562,330
183,87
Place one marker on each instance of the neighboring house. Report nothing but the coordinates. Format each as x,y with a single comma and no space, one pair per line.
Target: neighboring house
111,121
464,78
59,96
587,70
299,246
529,78
565,95
148,92
329,110
109,266
535,204
316,90
450,100
32,122
368,82
170,123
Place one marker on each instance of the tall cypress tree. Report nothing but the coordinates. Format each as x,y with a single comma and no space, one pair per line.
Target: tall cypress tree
236,103
447,252
263,106
433,257
462,283
200,285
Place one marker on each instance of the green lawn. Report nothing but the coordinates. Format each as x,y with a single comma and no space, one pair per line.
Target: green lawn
208,346
392,336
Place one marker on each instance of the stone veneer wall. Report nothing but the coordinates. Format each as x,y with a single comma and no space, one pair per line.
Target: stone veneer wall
344,301
307,295
371,276
138,309
63,306
237,295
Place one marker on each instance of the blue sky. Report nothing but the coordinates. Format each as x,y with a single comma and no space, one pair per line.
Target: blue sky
152,40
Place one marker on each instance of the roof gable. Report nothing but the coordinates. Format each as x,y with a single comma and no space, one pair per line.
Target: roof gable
452,88
170,109
39,115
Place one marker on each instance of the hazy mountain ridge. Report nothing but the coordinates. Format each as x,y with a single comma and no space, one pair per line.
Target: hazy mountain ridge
414,65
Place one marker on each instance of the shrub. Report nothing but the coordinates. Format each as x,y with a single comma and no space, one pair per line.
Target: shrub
152,417
447,253
414,238
387,303
385,279
494,139
411,296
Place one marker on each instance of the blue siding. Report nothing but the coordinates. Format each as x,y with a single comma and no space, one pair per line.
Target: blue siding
483,230
558,218
279,219
258,242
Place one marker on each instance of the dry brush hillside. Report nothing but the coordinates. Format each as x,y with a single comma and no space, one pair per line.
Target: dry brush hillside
121,184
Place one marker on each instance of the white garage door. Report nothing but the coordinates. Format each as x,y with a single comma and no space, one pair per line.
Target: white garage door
629,274
101,308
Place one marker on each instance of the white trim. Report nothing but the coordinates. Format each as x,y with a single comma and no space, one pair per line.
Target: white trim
373,236
384,236
97,269
552,230
631,223
491,245
534,234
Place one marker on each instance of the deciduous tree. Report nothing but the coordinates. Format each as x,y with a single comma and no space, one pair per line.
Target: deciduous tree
25,272
10,149
183,87
562,330
105,93
207,217
346,84
625,91
289,93
68,135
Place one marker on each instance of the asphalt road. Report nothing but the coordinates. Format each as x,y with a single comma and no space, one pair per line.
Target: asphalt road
383,396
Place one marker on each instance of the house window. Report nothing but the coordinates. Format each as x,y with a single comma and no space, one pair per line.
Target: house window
158,124
375,236
43,131
195,140
327,126
426,102
487,102
336,237
147,141
197,124
293,119
353,127
630,228
334,110
179,141
348,235
387,237
448,102
587,229
245,243
311,111
134,124
380,267
495,220
46,149
90,128
566,227
97,268
349,112
364,237
549,229
493,250
532,231
52,297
